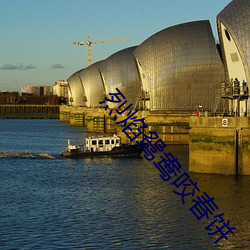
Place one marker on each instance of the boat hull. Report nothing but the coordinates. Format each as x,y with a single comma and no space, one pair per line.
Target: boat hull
122,151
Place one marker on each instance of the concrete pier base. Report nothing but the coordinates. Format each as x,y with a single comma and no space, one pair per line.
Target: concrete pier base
219,145
64,113
172,129
216,144
76,118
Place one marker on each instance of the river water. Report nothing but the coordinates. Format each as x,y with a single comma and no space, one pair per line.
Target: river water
47,202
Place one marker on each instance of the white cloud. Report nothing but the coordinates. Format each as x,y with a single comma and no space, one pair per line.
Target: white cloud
21,66
57,66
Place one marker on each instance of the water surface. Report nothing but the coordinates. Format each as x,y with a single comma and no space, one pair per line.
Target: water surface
103,203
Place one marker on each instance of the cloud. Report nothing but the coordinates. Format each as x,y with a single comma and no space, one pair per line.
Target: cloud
7,66
28,67
57,66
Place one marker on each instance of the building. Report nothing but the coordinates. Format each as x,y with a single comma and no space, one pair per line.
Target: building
60,89
76,93
9,97
176,70
37,90
92,83
180,68
31,90
89,86
120,71
38,95
234,33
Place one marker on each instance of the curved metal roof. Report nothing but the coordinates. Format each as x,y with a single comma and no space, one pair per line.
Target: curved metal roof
181,67
76,89
93,85
120,71
236,18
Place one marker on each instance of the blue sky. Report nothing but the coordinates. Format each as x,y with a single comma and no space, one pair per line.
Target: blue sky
36,35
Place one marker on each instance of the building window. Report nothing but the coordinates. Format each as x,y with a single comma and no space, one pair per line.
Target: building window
227,35
234,57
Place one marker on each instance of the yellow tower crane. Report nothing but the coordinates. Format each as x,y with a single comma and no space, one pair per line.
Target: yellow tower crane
89,43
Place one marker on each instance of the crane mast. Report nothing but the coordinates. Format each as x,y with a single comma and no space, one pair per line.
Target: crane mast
89,43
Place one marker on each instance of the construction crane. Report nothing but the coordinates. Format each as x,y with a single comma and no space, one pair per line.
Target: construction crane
89,43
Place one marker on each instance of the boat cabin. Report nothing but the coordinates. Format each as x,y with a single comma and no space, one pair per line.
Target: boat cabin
104,143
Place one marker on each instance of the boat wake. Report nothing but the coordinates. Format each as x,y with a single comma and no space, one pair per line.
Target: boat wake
26,154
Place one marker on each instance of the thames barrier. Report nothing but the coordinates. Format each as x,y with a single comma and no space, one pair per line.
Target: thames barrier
218,145
185,84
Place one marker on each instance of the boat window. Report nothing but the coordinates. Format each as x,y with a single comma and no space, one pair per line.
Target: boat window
112,141
100,142
93,142
107,142
117,141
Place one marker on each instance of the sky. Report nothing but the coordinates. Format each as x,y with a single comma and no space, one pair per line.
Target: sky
36,35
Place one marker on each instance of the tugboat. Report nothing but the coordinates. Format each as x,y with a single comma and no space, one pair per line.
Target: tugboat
104,146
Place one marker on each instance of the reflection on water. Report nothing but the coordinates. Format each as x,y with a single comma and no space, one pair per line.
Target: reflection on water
104,203
232,197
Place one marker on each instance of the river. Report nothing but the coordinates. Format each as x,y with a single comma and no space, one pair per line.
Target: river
48,202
